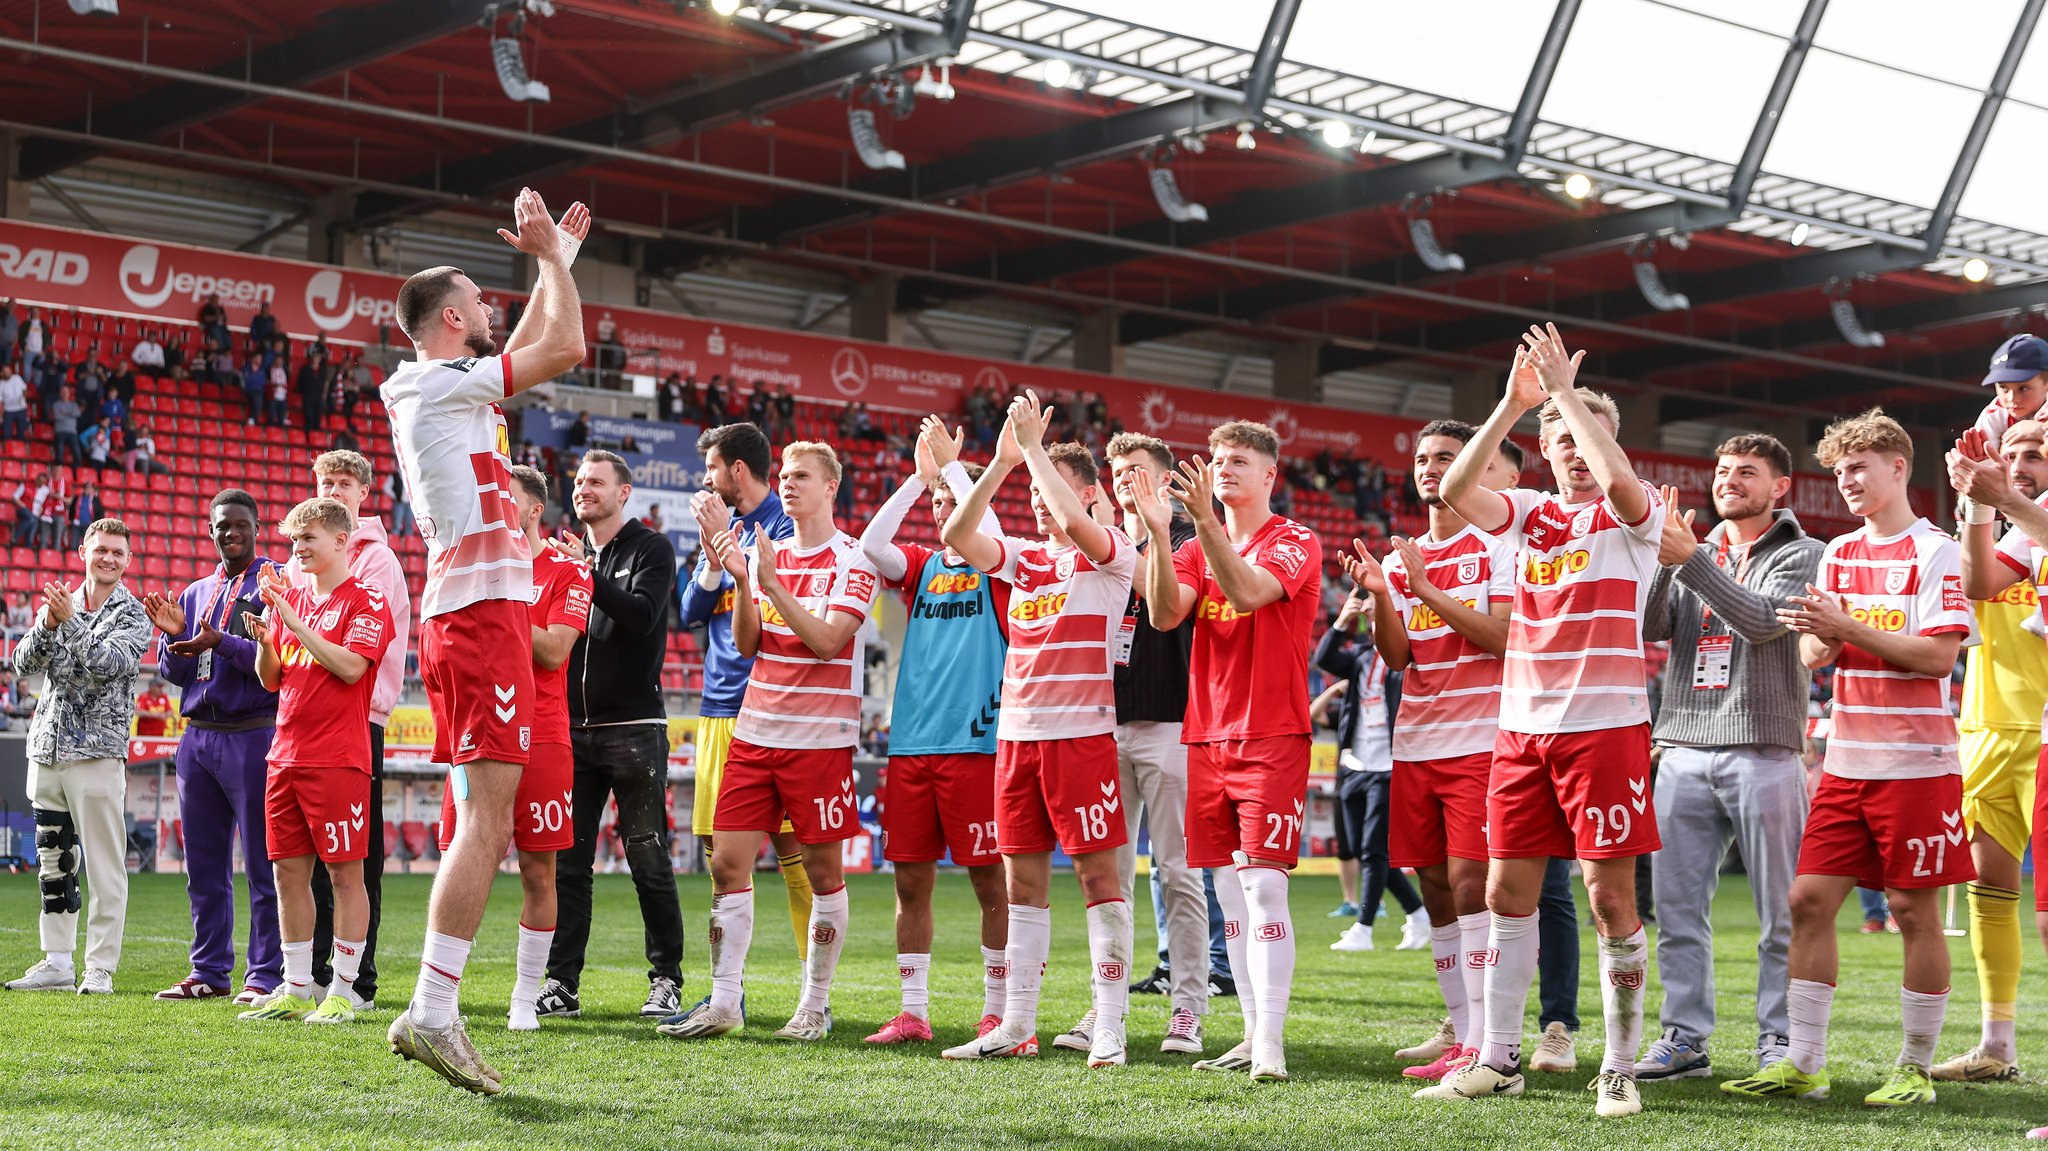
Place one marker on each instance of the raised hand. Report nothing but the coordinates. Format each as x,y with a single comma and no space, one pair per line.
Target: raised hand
727,553
1028,419
575,226
1556,369
259,629
1414,564
764,562
1678,542
1009,452
1525,391
1354,606
537,234
943,446
164,612
569,546
56,602
1192,485
1982,481
206,640
1817,614
1147,499
710,512
1364,570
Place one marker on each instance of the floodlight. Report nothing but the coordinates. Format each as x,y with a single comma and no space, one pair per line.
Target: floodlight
1246,141
1799,234
1578,185
725,7
1058,73
96,7
1975,269
1336,133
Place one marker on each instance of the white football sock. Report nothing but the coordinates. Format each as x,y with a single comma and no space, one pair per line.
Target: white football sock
1922,1014
828,938
1030,940
61,960
995,981
1622,966
1109,949
532,968
1450,977
1270,955
348,962
298,968
1807,1005
1999,1039
1511,947
1230,897
442,958
914,969
1472,946
732,933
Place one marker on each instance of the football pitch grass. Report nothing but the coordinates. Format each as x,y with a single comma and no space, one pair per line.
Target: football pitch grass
125,1071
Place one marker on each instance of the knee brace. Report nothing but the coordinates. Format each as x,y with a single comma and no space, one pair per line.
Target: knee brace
57,861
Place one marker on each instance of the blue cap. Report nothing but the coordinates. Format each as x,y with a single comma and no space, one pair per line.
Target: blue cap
2021,358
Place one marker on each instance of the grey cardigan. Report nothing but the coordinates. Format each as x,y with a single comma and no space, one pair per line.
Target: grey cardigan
1765,701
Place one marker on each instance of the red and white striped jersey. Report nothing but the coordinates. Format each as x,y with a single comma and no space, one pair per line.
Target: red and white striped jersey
2026,558
794,699
1057,676
1891,723
450,437
1450,694
1575,640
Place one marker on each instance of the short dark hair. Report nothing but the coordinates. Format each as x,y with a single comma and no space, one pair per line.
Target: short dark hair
742,443
536,484
1513,451
422,296
1458,430
1127,444
618,462
1765,447
234,497
1078,459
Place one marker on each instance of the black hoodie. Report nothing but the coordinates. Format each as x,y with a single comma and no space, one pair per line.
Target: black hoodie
615,669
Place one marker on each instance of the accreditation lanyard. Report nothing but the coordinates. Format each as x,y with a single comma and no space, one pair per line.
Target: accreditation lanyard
223,605
1715,658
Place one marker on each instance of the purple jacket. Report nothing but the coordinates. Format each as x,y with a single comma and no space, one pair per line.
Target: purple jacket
232,697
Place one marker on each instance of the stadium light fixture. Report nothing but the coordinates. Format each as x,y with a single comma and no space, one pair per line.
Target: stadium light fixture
867,140
1651,283
1975,269
1246,140
1799,233
940,89
1422,233
1578,186
1335,134
506,55
1058,73
725,7
1853,332
1175,206
96,7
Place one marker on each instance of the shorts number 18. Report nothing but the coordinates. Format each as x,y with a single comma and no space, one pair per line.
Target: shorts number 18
1094,822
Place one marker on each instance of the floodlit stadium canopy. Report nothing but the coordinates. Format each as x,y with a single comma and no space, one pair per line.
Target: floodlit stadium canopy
1742,206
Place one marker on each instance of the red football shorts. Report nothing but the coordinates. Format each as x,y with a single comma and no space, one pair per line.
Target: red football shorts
477,665
934,804
541,814
812,787
1058,793
1903,833
1247,795
1581,794
323,811
1438,808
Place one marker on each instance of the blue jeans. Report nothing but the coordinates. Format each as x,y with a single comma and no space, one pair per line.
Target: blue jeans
1875,907
1219,955
1557,937
14,425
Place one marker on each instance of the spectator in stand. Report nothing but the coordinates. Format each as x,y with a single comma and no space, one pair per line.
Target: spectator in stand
98,442
13,405
577,435
86,510
50,503
91,392
255,381
611,358
312,385
153,710
758,405
148,354
121,384
24,497
262,325
64,415
785,413
714,400
21,613
10,331
49,382
401,508
33,333
849,421
212,316
668,399
141,453
359,381
280,392
220,369
114,409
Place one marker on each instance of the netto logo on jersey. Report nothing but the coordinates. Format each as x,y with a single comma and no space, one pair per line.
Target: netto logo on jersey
770,615
1543,573
2021,594
1879,618
1425,618
953,583
1217,610
1038,607
724,603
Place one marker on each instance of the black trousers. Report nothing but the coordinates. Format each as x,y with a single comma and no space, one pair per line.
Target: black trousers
1363,813
629,762
373,886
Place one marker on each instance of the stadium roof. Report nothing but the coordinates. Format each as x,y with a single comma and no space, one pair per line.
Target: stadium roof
1332,197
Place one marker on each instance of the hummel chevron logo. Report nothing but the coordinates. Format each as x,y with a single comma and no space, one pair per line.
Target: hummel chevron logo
504,714
505,692
1955,827
1951,818
1110,802
1641,801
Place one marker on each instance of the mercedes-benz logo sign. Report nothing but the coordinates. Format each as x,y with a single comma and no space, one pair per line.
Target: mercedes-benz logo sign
849,371
992,379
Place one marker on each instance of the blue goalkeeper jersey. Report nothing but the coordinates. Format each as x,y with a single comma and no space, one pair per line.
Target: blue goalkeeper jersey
725,669
949,681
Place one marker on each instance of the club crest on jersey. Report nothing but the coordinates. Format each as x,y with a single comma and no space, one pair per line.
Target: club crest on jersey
526,739
1844,581
330,617
1582,523
1468,569
1270,932
1895,580
1063,567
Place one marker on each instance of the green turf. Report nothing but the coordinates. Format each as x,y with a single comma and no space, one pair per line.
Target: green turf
125,1071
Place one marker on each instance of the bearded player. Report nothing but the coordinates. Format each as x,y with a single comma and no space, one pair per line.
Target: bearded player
1253,580
476,649
1442,617
542,823
1571,766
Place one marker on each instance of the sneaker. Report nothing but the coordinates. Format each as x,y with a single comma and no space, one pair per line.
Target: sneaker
1079,1037
1222,986
1453,1057
1617,1095
333,1009
1872,927
1554,1052
281,1007
250,995
1269,1072
1475,1080
192,987
1183,1033
1772,1048
96,982
703,1022
557,999
2038,1133
1972,1066
1357,937
1433,1047
664,998
1906,1086
1345,910
360,1002
988,1023
1672,1058
446,1051
1782,1078
807,1025
1157,983
905,1028
1414,932
45,976
1236,1060
1107,1047
1891,925
1000,1043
